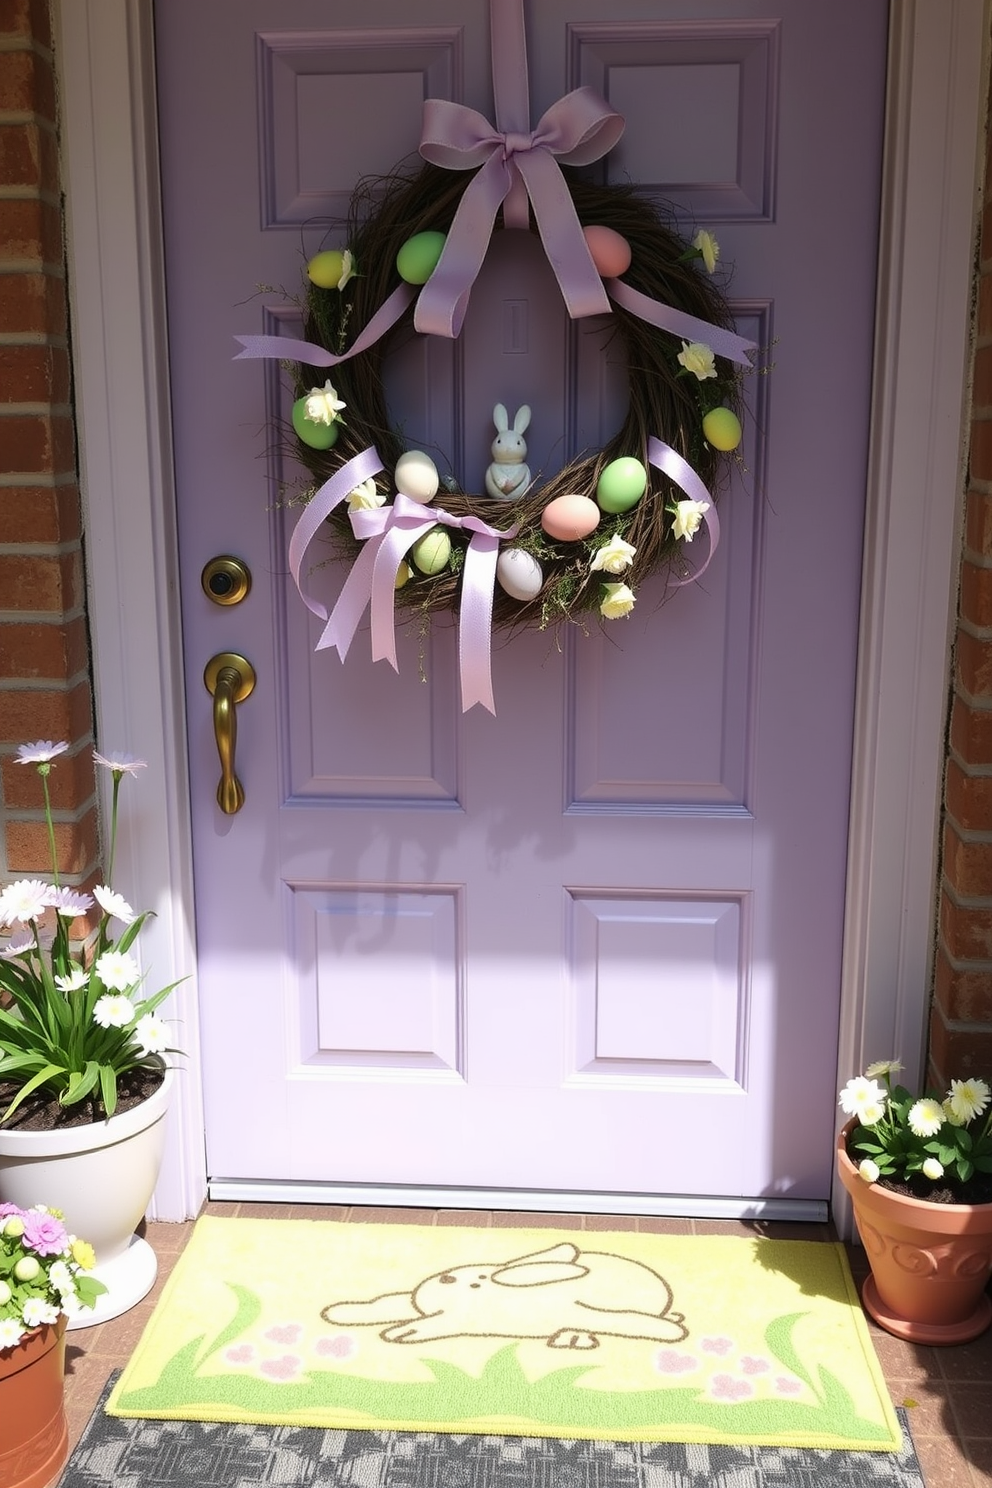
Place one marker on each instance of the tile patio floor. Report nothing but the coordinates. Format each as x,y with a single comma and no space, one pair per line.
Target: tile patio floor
948,1391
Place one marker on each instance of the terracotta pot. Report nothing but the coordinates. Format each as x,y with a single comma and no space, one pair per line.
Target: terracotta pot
102,1177
930,1263
34,1437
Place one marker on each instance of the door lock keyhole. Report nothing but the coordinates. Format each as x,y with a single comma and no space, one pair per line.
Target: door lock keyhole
226,580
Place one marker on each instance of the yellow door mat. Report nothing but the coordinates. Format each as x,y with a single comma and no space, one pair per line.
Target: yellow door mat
616,1336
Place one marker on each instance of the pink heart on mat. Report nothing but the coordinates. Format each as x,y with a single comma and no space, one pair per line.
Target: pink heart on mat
338,1347
281,1369
242,1353
751,1365
670,1361
719,1346
725,1387
288,1333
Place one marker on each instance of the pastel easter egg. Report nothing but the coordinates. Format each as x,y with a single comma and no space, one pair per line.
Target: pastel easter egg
317,435
610,252
622,484
519,574
569,518
325,269
431,552
722,429
416,476
403,575
417,259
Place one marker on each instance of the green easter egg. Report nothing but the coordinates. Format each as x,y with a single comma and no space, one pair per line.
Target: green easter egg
325,269
417,259
722,429
316,435
622,484
431,552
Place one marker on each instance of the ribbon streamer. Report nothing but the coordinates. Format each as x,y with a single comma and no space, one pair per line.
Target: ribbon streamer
325,499
667,318
671,463
290,350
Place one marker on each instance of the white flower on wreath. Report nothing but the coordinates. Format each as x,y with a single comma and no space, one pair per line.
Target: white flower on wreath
347,268
323,404
696,357
365,497
613,557
687,517
618,600
708,247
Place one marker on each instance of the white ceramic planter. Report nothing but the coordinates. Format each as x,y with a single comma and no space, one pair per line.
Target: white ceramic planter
102,1177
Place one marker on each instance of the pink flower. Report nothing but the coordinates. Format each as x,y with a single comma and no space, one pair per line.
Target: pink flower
751,1365
241,1353
786,1386
670,1361
44,1234
341,1346
281,1369
287,1333
719,1346
725,1387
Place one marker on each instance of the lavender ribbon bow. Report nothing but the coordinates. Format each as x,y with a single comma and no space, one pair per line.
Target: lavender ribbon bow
514,163
388,533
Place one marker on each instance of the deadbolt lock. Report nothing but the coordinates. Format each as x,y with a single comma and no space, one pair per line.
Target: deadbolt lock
226,580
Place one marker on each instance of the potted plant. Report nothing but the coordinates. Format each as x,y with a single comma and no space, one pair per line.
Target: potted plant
84,1086
919,1172
44,1280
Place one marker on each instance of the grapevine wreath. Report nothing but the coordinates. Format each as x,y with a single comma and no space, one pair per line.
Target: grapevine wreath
525,551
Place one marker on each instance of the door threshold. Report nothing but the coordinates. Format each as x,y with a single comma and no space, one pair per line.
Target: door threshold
676,1206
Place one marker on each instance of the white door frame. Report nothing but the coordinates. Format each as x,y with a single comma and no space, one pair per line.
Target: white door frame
934,167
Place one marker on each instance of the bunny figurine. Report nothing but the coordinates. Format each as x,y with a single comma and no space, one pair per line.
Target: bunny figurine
508,476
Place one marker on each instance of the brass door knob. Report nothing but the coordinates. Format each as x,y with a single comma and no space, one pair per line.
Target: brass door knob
229,679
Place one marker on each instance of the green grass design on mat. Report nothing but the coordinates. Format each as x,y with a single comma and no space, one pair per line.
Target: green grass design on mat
502,1391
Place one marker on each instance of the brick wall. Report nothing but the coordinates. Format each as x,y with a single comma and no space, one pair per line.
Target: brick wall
961,1016
44,660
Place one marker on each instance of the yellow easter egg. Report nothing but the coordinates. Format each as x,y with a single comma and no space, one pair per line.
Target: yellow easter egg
325,269
403,575
431,552
722,429
569,518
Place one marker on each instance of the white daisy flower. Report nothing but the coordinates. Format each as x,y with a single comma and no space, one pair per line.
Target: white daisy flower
114,905
860,1093
11,1333
24,900
883,1067
117,970
40,753
74,982
113,1012
61,1277
19,942
37,1311
967,1099
926,1117
119,764
70,902
151,1034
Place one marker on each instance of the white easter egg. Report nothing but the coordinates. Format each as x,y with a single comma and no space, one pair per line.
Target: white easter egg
519,574
416,476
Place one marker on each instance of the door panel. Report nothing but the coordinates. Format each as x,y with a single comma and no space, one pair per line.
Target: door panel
536,950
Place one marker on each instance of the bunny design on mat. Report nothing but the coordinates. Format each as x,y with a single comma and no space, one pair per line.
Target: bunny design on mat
568,1297
508,476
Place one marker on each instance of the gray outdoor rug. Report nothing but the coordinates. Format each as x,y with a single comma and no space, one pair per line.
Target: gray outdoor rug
116,1452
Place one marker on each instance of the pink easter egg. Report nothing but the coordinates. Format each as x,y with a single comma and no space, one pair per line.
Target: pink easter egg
568,518
610,252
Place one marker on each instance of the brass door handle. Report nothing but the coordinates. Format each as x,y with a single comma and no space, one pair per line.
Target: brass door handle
229,679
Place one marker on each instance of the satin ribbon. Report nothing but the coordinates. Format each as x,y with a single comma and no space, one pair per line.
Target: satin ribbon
671,463
290,350
388,533
667,318
514,164
325,499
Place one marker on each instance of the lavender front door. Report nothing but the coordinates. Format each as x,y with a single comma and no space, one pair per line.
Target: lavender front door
592,944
